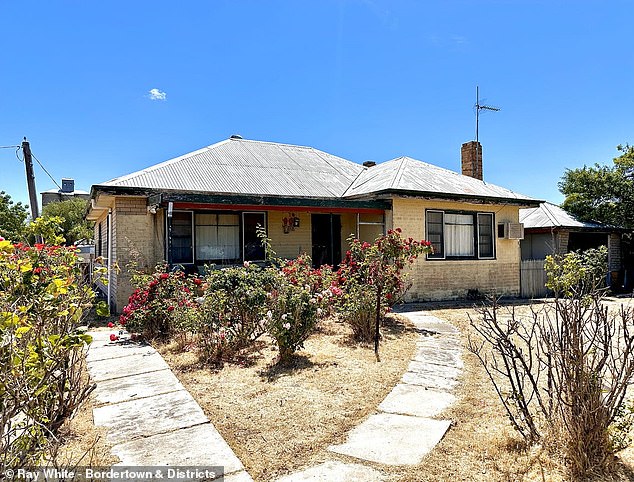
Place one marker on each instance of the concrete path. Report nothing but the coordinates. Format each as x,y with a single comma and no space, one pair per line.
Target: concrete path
151,419
404,430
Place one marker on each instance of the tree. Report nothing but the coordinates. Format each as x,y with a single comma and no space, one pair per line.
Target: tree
12,218
73,224
602,193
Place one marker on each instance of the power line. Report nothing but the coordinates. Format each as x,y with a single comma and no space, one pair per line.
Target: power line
48,173
8,147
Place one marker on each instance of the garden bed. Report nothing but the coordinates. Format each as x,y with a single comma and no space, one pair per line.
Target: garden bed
278,419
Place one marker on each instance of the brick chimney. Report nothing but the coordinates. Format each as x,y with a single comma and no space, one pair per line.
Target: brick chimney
471,157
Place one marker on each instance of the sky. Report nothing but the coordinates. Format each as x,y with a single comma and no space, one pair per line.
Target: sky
102,89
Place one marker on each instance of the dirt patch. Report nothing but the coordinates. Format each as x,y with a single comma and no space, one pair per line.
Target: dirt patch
280,419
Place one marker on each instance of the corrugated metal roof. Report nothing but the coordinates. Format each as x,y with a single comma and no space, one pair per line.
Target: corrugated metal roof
240,166
246,167
410,175
548,215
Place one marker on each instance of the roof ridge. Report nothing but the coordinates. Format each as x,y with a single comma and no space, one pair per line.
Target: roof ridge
270,142
402,158
549,214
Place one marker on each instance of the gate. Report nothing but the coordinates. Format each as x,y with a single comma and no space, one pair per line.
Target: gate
533,279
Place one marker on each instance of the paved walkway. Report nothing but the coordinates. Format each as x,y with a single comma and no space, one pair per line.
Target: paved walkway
404,429
151,419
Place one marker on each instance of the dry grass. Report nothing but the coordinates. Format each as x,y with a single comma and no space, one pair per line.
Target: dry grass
481,445
280,419
83,444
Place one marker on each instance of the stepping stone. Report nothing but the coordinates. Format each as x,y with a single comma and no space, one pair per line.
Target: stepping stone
449,358
425,378
117,350
101,370
149,416
435,370
392,439
136,386
334,471
444,342
242,476
426,322
416,400
199,446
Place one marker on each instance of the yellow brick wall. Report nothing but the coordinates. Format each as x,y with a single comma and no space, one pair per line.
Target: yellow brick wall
447,279
137,236
294,243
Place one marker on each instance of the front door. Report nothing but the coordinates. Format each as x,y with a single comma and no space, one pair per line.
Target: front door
326,231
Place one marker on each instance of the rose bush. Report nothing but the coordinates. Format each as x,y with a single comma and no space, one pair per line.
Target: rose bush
155,306
300,298
372,279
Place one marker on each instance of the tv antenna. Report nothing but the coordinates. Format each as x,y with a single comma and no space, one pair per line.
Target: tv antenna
480,107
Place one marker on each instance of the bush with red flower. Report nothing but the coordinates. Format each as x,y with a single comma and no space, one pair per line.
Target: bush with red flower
372,280
153,308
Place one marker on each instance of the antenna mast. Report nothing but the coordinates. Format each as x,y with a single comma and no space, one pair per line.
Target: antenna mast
480,107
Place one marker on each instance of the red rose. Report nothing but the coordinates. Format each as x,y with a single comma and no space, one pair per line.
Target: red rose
113,337
198,281
164,275
170,308
110,324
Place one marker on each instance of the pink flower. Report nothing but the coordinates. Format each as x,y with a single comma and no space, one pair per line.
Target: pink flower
113,337
198,281
110,324
246,264
164,275
170,308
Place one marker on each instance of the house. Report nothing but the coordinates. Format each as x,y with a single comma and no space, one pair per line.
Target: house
204,207
548,229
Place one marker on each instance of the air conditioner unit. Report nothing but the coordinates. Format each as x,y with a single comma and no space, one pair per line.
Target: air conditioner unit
511,230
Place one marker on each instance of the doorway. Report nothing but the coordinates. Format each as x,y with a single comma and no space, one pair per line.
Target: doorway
326,239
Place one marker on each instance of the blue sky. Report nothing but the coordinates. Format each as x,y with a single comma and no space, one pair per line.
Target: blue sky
362,79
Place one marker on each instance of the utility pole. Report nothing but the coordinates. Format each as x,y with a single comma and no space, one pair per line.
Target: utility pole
30,179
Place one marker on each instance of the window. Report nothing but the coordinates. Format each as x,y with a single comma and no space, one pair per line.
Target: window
485,235
182,239
218,237
370,226
460,235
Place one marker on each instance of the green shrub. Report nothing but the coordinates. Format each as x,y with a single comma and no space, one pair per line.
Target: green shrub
42,302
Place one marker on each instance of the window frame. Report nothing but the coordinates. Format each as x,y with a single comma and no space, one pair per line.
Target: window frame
476,238
218,261
194,241
193,237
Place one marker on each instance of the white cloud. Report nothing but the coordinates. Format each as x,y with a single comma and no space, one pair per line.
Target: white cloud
155,94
